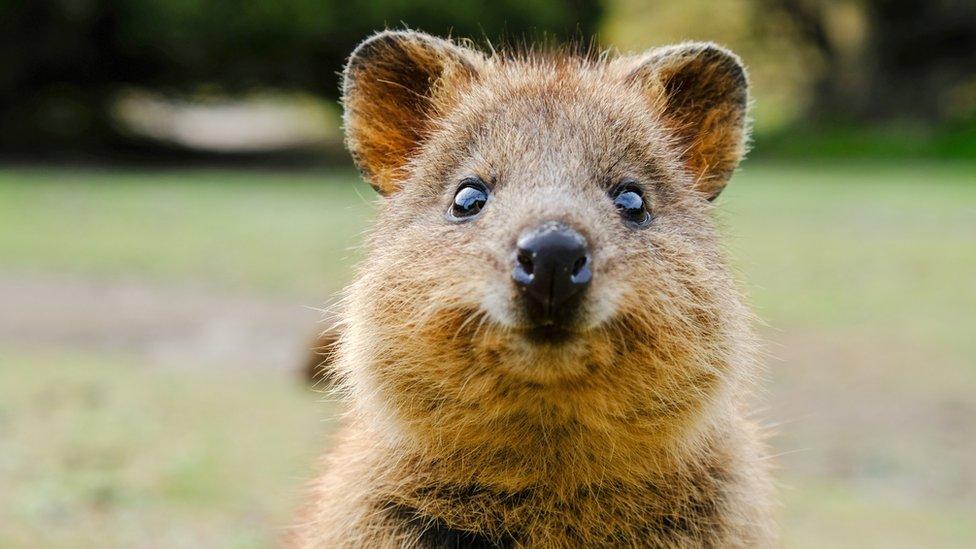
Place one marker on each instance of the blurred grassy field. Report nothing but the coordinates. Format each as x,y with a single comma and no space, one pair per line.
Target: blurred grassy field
865,275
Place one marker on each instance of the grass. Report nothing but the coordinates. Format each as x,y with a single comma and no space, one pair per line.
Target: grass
825,514
892,142
258,231
864,274
860,247
98,451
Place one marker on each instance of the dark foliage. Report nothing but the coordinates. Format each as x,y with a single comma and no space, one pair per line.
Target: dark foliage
64,60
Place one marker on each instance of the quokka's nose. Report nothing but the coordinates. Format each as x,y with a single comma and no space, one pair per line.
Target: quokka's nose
552,268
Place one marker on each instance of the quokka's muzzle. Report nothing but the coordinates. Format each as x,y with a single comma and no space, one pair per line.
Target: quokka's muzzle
552,269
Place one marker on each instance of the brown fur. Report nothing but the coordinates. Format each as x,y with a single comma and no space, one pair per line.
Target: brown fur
463,432
318,370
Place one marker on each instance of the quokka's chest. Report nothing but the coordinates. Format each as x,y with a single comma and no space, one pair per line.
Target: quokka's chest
606,516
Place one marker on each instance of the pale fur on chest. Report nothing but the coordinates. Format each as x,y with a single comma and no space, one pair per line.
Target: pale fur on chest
387,497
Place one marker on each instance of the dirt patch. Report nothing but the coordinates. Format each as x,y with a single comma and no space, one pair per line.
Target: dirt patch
166,325
873,410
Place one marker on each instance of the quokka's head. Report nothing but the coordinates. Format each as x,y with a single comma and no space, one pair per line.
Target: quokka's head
544,234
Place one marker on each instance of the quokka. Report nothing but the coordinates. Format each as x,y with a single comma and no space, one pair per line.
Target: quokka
543,346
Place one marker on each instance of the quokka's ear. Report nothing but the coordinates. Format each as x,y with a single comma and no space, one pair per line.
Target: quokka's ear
394,84
705,97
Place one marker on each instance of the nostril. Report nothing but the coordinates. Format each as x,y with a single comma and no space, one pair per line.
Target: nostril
578,266
524,258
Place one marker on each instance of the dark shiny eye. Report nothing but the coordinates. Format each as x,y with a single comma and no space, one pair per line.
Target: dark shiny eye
628,198
470,198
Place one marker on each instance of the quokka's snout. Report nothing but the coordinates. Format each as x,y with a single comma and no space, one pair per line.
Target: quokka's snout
552,270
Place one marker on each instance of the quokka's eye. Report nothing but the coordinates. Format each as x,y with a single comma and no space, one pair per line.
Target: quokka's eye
470,198
628,198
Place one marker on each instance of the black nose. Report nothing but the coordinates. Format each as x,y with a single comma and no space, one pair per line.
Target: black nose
552,268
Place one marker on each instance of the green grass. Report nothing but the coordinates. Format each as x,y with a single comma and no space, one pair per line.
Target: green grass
821,514
860,247
260,231
98,451
892,142
865,275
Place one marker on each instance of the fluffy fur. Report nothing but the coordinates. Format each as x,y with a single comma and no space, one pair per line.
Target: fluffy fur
318,370
462,431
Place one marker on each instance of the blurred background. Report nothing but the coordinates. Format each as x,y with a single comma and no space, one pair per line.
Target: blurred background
176,206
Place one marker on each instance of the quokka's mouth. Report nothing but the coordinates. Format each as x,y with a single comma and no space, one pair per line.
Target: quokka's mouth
549,334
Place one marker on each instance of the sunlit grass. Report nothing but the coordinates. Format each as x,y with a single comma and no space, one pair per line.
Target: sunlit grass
99,451
238,230
830,514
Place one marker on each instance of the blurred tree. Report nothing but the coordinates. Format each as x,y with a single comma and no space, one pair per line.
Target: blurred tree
883,60
64,60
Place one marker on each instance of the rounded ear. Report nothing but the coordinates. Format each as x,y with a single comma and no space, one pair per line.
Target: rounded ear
394,84
703,92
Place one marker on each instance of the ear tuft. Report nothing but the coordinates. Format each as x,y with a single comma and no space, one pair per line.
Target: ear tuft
706,97
394,83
